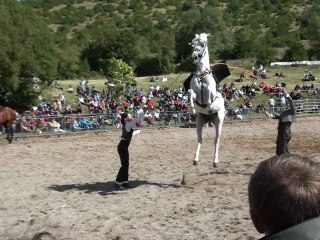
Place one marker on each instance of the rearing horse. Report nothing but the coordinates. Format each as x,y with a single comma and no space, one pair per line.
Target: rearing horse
205,100
7,118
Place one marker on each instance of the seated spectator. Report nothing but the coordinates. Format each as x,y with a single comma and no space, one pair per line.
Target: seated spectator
177,118
139,111
46,120
101,105
76,125
95,104
143,100
79,108
282,74
80,91
262,85
157,115
70,89
81,100
150,103
68,109
26,125
263,73
241,78
69,122
147,115
62,99
125,104
85,123
164,79
95,123
284,198
55,126
295,95
56,107
113,105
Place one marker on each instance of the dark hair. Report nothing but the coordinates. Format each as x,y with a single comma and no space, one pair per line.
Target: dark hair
284,191
123,117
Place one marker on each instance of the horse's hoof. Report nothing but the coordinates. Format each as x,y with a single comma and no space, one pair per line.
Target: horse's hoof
195,163
215,165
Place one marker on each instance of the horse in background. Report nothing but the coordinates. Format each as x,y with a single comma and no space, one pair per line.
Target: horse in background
205,101
7,120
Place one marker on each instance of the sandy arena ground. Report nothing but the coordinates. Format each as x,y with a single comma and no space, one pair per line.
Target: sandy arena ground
64,185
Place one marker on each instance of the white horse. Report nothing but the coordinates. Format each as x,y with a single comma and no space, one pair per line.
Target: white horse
205,100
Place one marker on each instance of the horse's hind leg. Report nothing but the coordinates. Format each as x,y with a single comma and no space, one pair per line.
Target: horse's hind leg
199,123
218,121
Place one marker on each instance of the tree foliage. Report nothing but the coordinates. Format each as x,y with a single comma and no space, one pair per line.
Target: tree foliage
27,50
120,74
111,44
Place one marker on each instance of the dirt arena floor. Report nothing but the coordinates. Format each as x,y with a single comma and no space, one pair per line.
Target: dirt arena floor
64,185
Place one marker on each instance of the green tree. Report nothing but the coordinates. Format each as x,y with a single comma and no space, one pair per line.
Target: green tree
120,74
296,52
310,22
68,65
245,41
119,44
27,50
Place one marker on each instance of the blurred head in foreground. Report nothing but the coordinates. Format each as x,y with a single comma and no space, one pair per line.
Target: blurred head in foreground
284,191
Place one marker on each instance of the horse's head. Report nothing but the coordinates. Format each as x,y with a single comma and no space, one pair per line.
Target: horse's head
199,45
200,40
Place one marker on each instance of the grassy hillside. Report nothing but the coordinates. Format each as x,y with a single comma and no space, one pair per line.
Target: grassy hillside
264,30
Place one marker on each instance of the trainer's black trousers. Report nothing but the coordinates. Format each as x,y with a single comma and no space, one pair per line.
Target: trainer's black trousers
284,136
123,151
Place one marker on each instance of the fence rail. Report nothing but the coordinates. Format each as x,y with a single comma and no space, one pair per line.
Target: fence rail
101,123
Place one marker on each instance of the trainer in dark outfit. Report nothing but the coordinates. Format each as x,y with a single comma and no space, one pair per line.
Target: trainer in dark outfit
286,118
128,122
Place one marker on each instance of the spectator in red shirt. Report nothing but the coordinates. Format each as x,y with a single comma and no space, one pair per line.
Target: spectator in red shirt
125,105
150,103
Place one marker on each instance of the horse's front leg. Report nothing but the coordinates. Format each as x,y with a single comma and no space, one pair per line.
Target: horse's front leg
192,96
196,157
199,123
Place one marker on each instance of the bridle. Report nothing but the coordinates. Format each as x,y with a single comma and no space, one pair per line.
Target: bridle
197,56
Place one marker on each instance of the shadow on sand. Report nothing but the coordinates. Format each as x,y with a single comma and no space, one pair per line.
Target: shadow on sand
106,188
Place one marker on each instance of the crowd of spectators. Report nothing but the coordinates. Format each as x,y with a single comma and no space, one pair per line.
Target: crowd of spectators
96,108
